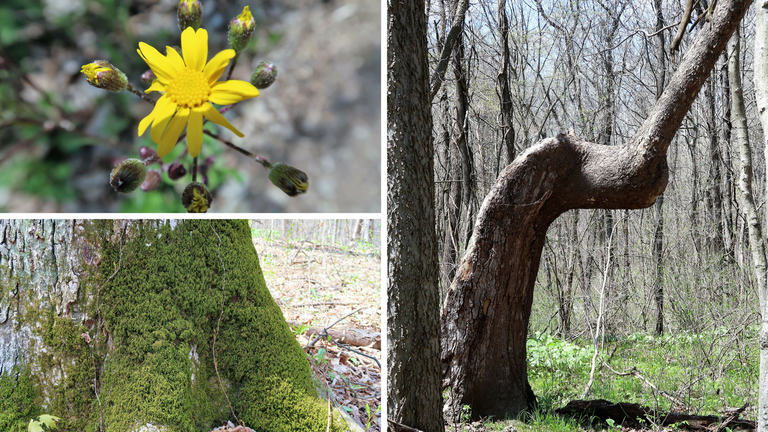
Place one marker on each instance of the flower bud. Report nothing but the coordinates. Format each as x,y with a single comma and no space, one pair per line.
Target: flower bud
289,179
190,14
128,175
264,75
101,74
196,198
176,171
152,181
240,29
147,153
148,77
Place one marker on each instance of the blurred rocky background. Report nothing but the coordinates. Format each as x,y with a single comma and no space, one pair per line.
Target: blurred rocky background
60,137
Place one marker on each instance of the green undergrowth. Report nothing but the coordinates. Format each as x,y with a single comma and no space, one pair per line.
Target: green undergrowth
708,372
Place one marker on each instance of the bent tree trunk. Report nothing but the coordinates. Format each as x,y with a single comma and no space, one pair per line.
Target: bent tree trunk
113,326
485,318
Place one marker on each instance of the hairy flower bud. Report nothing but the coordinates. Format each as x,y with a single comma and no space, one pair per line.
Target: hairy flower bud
196,198
176,171
240,30
290,180
128,175
152,181
101,74
264,75
190,14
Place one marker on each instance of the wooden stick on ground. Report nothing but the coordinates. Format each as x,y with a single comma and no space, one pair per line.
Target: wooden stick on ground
401,427
634,372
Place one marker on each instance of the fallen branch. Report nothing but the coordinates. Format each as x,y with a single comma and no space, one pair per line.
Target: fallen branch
634,372
401,427
325,330
356,352
353,337
635,416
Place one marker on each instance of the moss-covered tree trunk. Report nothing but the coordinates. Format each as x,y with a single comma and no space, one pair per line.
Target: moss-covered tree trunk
122,325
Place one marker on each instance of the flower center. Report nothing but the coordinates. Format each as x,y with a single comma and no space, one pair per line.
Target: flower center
189,89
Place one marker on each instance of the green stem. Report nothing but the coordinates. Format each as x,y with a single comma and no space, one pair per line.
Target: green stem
232,66
194,169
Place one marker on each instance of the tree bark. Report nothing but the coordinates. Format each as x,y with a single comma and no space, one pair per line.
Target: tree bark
658,233
413,312
757,241
485,318
505,96
130,325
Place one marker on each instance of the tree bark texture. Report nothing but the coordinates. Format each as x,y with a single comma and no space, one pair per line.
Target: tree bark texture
128,325
413,309
485,318
758,245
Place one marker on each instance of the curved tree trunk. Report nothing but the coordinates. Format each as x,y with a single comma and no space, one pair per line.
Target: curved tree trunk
485,319
140,325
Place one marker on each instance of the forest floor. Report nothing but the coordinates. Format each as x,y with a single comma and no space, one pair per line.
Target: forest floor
709,374
315,285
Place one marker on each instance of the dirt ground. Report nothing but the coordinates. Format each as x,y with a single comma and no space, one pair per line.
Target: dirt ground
316,285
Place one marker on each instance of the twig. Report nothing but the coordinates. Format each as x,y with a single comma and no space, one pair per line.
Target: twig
634,372
355,351
305,241
221,315
599,317
402,427
142,95
265,163
731,417
334,323
321,304
330,394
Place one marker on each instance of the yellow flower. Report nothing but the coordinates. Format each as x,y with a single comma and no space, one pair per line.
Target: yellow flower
189,85
101,74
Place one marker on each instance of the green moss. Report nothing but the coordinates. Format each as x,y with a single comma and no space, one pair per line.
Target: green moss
72,398
164,304
18,400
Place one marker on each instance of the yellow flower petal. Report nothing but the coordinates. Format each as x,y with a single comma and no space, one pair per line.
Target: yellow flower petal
156,86
171,135
194,46
216,66
215,116
163,115
195,132
175,59
245,89
160,108
145,122
225,98
160,65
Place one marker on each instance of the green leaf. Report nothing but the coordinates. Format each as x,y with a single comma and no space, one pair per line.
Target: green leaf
35,426
49,420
